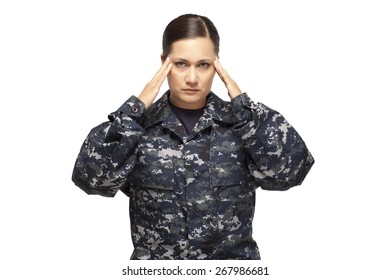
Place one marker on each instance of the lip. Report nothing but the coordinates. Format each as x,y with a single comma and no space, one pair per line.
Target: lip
190,89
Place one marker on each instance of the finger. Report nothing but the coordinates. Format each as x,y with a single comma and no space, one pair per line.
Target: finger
162,73
221,71
163,67
230,84
217,66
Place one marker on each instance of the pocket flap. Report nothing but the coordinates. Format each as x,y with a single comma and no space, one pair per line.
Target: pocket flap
228,174
152,176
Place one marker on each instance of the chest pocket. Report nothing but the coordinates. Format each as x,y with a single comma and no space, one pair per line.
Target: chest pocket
235,199
152,176
151,182
227,158
154,168
235,196
150,188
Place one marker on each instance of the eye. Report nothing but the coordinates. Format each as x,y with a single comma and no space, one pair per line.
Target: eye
204,65
180,64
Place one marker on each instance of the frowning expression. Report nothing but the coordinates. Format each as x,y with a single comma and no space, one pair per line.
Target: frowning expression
192,74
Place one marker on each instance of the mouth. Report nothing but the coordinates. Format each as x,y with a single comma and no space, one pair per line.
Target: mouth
190,90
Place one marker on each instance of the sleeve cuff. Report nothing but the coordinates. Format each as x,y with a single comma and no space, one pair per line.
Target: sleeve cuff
133,107
242,105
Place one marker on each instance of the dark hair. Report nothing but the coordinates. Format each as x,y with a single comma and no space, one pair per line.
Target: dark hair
189,26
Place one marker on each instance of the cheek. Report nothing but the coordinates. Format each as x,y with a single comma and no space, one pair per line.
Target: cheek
208,77
173,78
177,73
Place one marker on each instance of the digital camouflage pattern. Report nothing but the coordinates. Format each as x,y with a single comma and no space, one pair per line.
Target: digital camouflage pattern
192,196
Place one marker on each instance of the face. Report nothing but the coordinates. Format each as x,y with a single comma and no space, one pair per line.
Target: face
192,73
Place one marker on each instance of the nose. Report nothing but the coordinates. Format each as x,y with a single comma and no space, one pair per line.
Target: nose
191,77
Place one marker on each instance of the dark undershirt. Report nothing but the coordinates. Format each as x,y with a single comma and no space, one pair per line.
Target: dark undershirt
188,117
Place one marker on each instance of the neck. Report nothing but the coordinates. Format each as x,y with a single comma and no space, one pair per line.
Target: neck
188,106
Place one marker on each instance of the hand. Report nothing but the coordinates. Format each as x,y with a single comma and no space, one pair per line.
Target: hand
152,88
230,84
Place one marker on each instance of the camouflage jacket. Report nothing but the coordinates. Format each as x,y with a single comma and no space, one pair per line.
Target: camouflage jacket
192,196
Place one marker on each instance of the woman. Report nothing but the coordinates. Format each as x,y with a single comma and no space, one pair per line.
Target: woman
191,162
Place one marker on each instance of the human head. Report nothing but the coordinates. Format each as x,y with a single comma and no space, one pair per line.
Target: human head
189,26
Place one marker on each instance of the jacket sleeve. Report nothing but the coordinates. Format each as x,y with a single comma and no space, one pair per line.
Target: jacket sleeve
108,153
277,157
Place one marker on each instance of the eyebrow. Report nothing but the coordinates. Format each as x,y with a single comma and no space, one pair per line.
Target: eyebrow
209,60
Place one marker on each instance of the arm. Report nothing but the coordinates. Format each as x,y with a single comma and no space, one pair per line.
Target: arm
277,156
108,154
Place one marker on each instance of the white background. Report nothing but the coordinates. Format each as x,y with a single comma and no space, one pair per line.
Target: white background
325,65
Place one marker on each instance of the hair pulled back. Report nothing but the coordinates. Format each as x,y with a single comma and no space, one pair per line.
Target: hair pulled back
189,26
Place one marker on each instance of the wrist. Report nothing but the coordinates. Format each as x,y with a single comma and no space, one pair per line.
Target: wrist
234,94
233,90
146,101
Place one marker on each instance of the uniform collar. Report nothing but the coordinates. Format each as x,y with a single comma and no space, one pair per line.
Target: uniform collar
216,110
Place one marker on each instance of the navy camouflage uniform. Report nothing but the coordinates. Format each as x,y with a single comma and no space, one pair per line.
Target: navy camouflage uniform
192,196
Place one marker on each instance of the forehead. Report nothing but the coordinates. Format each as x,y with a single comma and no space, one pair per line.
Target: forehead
199,48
